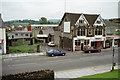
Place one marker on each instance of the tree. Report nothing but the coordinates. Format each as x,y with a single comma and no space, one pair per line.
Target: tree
43,20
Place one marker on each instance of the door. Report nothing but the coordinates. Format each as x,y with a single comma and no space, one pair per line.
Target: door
82,45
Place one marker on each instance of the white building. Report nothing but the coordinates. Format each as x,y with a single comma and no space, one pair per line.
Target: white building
2,37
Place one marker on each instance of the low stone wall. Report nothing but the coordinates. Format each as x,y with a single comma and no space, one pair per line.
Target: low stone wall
35,75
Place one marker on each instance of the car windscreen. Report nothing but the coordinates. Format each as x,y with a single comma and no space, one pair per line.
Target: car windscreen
51,50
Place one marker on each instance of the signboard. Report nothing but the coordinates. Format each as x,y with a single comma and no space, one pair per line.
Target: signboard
1,41
67,27
97,40
117,31
110,37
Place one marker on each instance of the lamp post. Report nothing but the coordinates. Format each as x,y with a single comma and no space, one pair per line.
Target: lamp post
113,63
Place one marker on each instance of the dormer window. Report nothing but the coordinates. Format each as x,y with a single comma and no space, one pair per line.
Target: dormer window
81,21
98,22
40,32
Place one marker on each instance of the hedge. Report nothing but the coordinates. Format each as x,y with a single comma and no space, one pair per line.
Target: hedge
35,75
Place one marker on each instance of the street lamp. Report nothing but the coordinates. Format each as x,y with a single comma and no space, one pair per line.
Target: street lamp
113,63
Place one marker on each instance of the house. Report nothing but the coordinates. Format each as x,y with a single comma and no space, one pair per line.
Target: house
112,33
2,37
78,30
43,33
20,38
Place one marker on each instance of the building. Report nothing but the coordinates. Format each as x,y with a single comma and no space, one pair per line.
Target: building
78,30
2,37
43,33
112,33
20,38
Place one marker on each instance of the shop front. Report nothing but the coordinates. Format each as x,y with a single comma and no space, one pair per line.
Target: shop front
98,43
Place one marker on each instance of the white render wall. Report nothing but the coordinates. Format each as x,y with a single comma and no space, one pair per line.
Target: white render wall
3,37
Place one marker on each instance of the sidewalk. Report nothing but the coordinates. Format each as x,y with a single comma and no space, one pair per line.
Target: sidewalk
13,55
22,55
75,73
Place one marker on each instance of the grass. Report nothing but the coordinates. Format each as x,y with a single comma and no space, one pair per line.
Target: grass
22,45
37,44
21,50
102,76
24,48
20,23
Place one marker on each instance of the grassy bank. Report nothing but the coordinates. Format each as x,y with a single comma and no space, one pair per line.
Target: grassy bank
103,76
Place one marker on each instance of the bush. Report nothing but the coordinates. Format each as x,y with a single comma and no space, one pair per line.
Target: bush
35,75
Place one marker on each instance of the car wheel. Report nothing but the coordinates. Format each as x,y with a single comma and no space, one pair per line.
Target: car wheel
89,51
52,55
63,54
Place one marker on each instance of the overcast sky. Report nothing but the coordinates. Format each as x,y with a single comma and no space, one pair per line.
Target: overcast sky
54,9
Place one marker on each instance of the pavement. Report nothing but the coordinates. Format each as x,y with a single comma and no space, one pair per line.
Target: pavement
14,55
75,73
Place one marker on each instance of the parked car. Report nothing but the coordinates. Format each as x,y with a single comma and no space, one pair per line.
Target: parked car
51,44
107,45
91,49
55,52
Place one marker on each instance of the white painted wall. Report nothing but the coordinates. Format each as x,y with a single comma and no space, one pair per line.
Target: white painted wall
3,37
67,27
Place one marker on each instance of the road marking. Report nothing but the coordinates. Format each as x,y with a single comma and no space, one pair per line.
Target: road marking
7,59
59,60
22,64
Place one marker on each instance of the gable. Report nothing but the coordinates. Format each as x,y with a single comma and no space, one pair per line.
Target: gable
91,18
99,22
81,21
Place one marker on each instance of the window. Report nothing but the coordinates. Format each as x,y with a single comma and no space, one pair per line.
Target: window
90,31
77,42
26,34
27,39
98,31
40,32
86,42
22,34
81,21
16,34
12,36
98,22
81,32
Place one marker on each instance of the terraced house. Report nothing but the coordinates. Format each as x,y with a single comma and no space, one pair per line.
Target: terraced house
79,30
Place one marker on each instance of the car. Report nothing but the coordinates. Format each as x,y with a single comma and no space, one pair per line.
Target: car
91,49
55,52
107,45
51,44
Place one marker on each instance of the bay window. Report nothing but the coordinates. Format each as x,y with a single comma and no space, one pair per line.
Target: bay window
98,31
81,32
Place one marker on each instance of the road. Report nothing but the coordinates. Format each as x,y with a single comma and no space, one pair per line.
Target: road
75,60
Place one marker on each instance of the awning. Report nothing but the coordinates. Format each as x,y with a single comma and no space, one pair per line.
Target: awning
110,37
42,35
97,40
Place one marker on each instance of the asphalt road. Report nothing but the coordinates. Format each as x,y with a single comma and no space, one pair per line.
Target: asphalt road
71,61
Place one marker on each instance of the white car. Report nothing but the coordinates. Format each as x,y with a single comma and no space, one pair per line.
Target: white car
51,44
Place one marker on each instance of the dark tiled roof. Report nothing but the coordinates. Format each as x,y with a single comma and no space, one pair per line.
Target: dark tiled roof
91,18
72,17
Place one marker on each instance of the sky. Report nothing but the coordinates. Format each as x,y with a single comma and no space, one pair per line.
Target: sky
55,9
